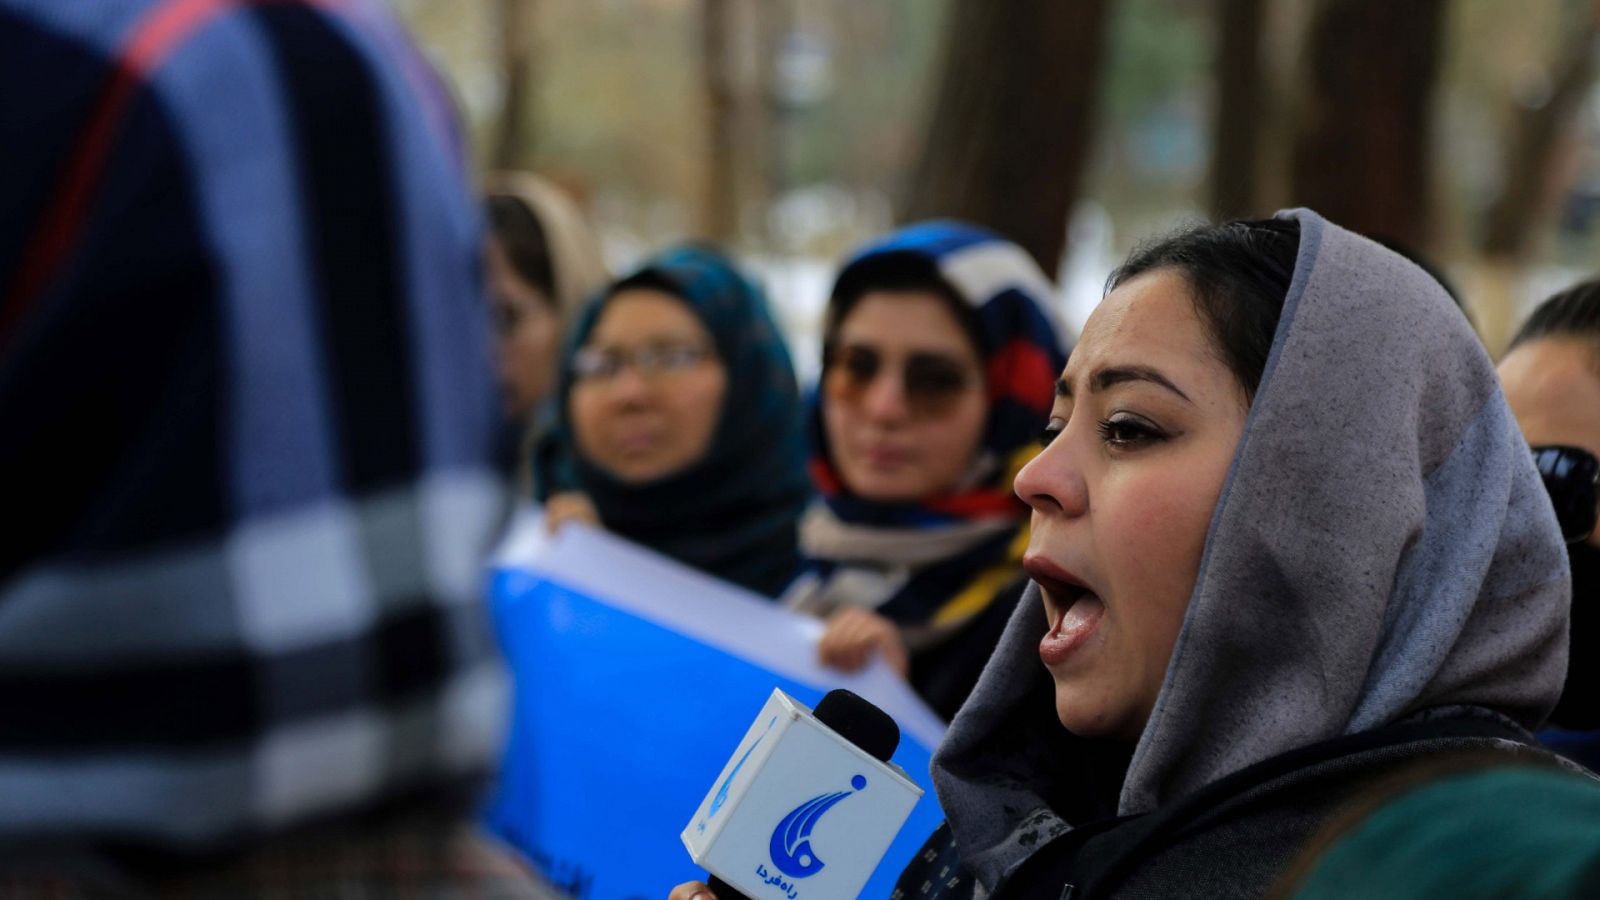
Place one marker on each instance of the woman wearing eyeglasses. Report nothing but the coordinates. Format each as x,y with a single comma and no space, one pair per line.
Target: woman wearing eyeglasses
1552,381
938,361
681,412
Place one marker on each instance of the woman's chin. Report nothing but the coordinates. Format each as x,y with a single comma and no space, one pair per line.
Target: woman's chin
1096,720
1076,719
643,469
886,489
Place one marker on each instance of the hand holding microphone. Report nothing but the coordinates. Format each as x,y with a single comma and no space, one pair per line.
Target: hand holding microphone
694,890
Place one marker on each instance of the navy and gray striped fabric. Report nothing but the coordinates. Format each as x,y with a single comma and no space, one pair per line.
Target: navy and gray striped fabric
245,427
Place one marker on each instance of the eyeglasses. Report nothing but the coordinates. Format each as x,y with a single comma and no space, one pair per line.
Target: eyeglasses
1572,478
932,382
592,365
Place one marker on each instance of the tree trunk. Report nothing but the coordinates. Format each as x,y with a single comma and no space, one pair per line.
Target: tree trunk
720,210
513,144
769,131
1361,155
1240,110
1528,188
1532,181
1010,129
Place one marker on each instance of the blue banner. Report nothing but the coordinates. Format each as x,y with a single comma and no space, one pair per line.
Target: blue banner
635,680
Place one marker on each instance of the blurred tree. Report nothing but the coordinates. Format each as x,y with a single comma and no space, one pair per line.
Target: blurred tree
1540,125
1010,126
721,202
1361,155
735,44
773,21
1241,100
513,143
1543,129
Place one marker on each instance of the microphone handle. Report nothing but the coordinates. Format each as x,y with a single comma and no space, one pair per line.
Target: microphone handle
723,890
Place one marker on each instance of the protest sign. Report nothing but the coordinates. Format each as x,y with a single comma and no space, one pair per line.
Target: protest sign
636,677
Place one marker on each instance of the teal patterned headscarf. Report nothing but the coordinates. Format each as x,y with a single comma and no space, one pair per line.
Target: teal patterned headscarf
734,512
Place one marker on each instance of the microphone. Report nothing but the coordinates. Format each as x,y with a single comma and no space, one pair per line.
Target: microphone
859,722
853,719
808,802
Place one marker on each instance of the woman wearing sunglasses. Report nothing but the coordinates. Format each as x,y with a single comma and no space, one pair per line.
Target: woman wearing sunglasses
1285,538
1552,381
938,359
682,420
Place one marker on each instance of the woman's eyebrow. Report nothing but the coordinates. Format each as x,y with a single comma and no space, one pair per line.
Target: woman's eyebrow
1105,378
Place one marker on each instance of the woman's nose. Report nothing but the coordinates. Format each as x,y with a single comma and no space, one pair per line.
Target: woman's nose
629,385
1053,483
885,397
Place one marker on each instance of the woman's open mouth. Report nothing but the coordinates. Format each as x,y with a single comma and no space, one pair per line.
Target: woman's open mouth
1075,611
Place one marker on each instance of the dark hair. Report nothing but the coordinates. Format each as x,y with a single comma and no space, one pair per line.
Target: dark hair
899,271
519,232
644,280
1574,313
1239,274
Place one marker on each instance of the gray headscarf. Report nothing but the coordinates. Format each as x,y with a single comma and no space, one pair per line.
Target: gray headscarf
1382,546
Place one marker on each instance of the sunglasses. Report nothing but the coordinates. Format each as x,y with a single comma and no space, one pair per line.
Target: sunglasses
1572,478
932,382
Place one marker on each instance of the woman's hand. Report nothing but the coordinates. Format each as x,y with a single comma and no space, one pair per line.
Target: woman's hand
569,506
692,890
854,634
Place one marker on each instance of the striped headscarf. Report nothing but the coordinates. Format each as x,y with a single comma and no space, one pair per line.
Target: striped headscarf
733,512
932,564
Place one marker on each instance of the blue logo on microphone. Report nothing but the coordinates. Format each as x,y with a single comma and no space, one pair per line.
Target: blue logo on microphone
791,840
722,792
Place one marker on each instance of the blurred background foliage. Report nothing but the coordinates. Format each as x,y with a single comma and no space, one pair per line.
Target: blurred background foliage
1466,130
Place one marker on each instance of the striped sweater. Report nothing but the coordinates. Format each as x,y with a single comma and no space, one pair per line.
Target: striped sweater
245,423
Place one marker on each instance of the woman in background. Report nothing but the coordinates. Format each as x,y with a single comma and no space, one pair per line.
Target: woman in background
541,262
1551,377
939,354
682,420
1474,827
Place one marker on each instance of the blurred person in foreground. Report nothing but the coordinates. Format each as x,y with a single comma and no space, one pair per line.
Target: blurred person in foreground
681,419
542,261
248,413
1551,377
1285,538
939,356
1478,827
